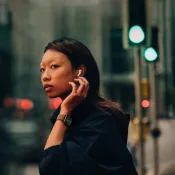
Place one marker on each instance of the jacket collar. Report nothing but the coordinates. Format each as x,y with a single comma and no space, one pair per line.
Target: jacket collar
55,114
81,110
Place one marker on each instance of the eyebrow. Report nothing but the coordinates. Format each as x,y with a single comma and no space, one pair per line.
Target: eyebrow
46,62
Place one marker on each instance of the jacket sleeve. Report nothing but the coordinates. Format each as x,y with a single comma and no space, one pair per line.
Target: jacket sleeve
95,148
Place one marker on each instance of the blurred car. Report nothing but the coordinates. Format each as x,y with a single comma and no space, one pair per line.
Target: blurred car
26,139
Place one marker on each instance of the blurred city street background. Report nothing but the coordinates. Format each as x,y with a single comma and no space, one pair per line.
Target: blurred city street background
133,44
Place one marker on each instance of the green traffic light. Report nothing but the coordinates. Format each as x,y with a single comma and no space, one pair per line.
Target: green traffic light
150,54
136,34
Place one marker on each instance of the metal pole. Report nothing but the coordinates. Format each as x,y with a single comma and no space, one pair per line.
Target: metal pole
164,40
153,114
137,64
173,38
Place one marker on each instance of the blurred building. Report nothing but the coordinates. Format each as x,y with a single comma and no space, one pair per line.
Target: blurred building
5,79
98,24
95,23
5,51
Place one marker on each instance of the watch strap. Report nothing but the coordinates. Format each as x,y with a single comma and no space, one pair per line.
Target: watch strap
64,118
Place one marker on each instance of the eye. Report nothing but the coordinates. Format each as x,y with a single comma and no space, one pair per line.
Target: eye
54,66
41,70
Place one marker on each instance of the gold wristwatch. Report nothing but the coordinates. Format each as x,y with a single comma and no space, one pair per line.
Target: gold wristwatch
66,119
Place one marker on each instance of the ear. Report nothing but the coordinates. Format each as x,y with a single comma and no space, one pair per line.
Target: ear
81,70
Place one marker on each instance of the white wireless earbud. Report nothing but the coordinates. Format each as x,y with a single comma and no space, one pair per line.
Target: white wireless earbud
79,72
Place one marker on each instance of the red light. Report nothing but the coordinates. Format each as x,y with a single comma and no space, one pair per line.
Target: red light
145,103
25,104
54,103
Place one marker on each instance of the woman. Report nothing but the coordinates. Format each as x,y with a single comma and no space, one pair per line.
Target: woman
89,133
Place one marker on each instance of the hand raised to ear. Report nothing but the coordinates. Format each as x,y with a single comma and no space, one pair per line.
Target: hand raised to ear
78,94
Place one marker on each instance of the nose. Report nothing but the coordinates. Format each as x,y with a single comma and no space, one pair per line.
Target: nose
46,76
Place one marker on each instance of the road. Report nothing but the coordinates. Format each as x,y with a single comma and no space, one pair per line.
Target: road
23,170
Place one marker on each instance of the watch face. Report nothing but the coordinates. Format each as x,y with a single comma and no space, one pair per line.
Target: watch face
68,121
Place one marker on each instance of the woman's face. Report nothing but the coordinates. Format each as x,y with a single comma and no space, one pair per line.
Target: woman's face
56,72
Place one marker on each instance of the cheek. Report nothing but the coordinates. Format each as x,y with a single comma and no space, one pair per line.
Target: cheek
63,79
67,75
41,79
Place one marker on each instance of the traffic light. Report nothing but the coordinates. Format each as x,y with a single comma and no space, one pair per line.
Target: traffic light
136,34
145,103
24,104
145,93
145,126
145,88
151,53
134,22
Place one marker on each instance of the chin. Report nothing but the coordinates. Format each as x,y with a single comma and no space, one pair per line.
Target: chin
50,95
56,95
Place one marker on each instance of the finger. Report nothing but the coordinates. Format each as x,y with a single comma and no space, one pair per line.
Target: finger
86,85
81,86
85,92
74,87
85,81
82,91
81,82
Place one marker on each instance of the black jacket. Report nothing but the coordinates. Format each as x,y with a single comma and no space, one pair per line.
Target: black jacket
95,144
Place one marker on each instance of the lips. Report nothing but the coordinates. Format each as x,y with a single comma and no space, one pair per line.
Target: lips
47,87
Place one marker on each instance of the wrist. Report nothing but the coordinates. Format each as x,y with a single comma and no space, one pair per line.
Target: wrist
62,124
65,112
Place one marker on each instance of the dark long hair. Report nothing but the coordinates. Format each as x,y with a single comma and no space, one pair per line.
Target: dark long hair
79,54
